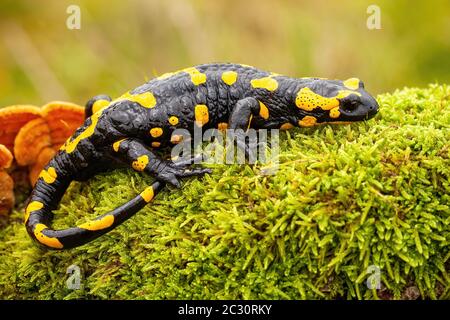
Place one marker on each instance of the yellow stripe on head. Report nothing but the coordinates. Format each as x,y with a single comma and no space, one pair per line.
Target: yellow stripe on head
352,83
308,100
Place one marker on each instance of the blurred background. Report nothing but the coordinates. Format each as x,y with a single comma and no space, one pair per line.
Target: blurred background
121,44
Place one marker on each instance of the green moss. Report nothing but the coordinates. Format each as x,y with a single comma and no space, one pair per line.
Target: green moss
344,198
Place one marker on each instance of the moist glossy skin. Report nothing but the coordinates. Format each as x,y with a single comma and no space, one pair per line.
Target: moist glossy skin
128,129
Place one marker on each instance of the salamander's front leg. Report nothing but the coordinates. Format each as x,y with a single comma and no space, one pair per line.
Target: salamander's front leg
243,112
141,158
240,121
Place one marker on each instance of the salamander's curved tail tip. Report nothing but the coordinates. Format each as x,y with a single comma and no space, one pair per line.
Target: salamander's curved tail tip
38,213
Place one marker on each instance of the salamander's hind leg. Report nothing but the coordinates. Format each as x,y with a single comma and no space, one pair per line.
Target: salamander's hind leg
141,158
96,103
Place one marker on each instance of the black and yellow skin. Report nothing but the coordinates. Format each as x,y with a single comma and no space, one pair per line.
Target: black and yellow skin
127,130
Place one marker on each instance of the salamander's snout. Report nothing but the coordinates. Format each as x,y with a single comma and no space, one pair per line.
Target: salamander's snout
358,107
373,108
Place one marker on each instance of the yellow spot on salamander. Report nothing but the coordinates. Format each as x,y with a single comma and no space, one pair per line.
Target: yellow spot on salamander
99,105
263,111
116,145
156,132
156,144
145,99
173,120
176,138
99,224
49,175
267,83
308,121
352,83
32,206
222,126
286,126
196,76
334,113
201,114
148,194
71,144
140,163
45,240
308,100
345,93
229,77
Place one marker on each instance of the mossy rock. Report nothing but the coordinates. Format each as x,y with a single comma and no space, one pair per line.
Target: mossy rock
344,198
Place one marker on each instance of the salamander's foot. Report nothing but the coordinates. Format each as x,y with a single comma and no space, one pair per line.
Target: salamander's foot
170,172
183,162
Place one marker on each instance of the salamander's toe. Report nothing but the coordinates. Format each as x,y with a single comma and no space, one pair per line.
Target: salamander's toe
195,172
175,182
171,173
180,163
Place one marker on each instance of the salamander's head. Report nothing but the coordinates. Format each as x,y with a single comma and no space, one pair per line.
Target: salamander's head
335,101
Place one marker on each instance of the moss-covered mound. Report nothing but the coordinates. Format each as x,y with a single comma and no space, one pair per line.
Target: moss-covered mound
345,198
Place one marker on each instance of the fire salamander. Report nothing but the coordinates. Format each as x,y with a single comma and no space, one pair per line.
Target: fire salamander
128,129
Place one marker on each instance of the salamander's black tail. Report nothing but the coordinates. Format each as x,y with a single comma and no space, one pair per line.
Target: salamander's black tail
46,196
